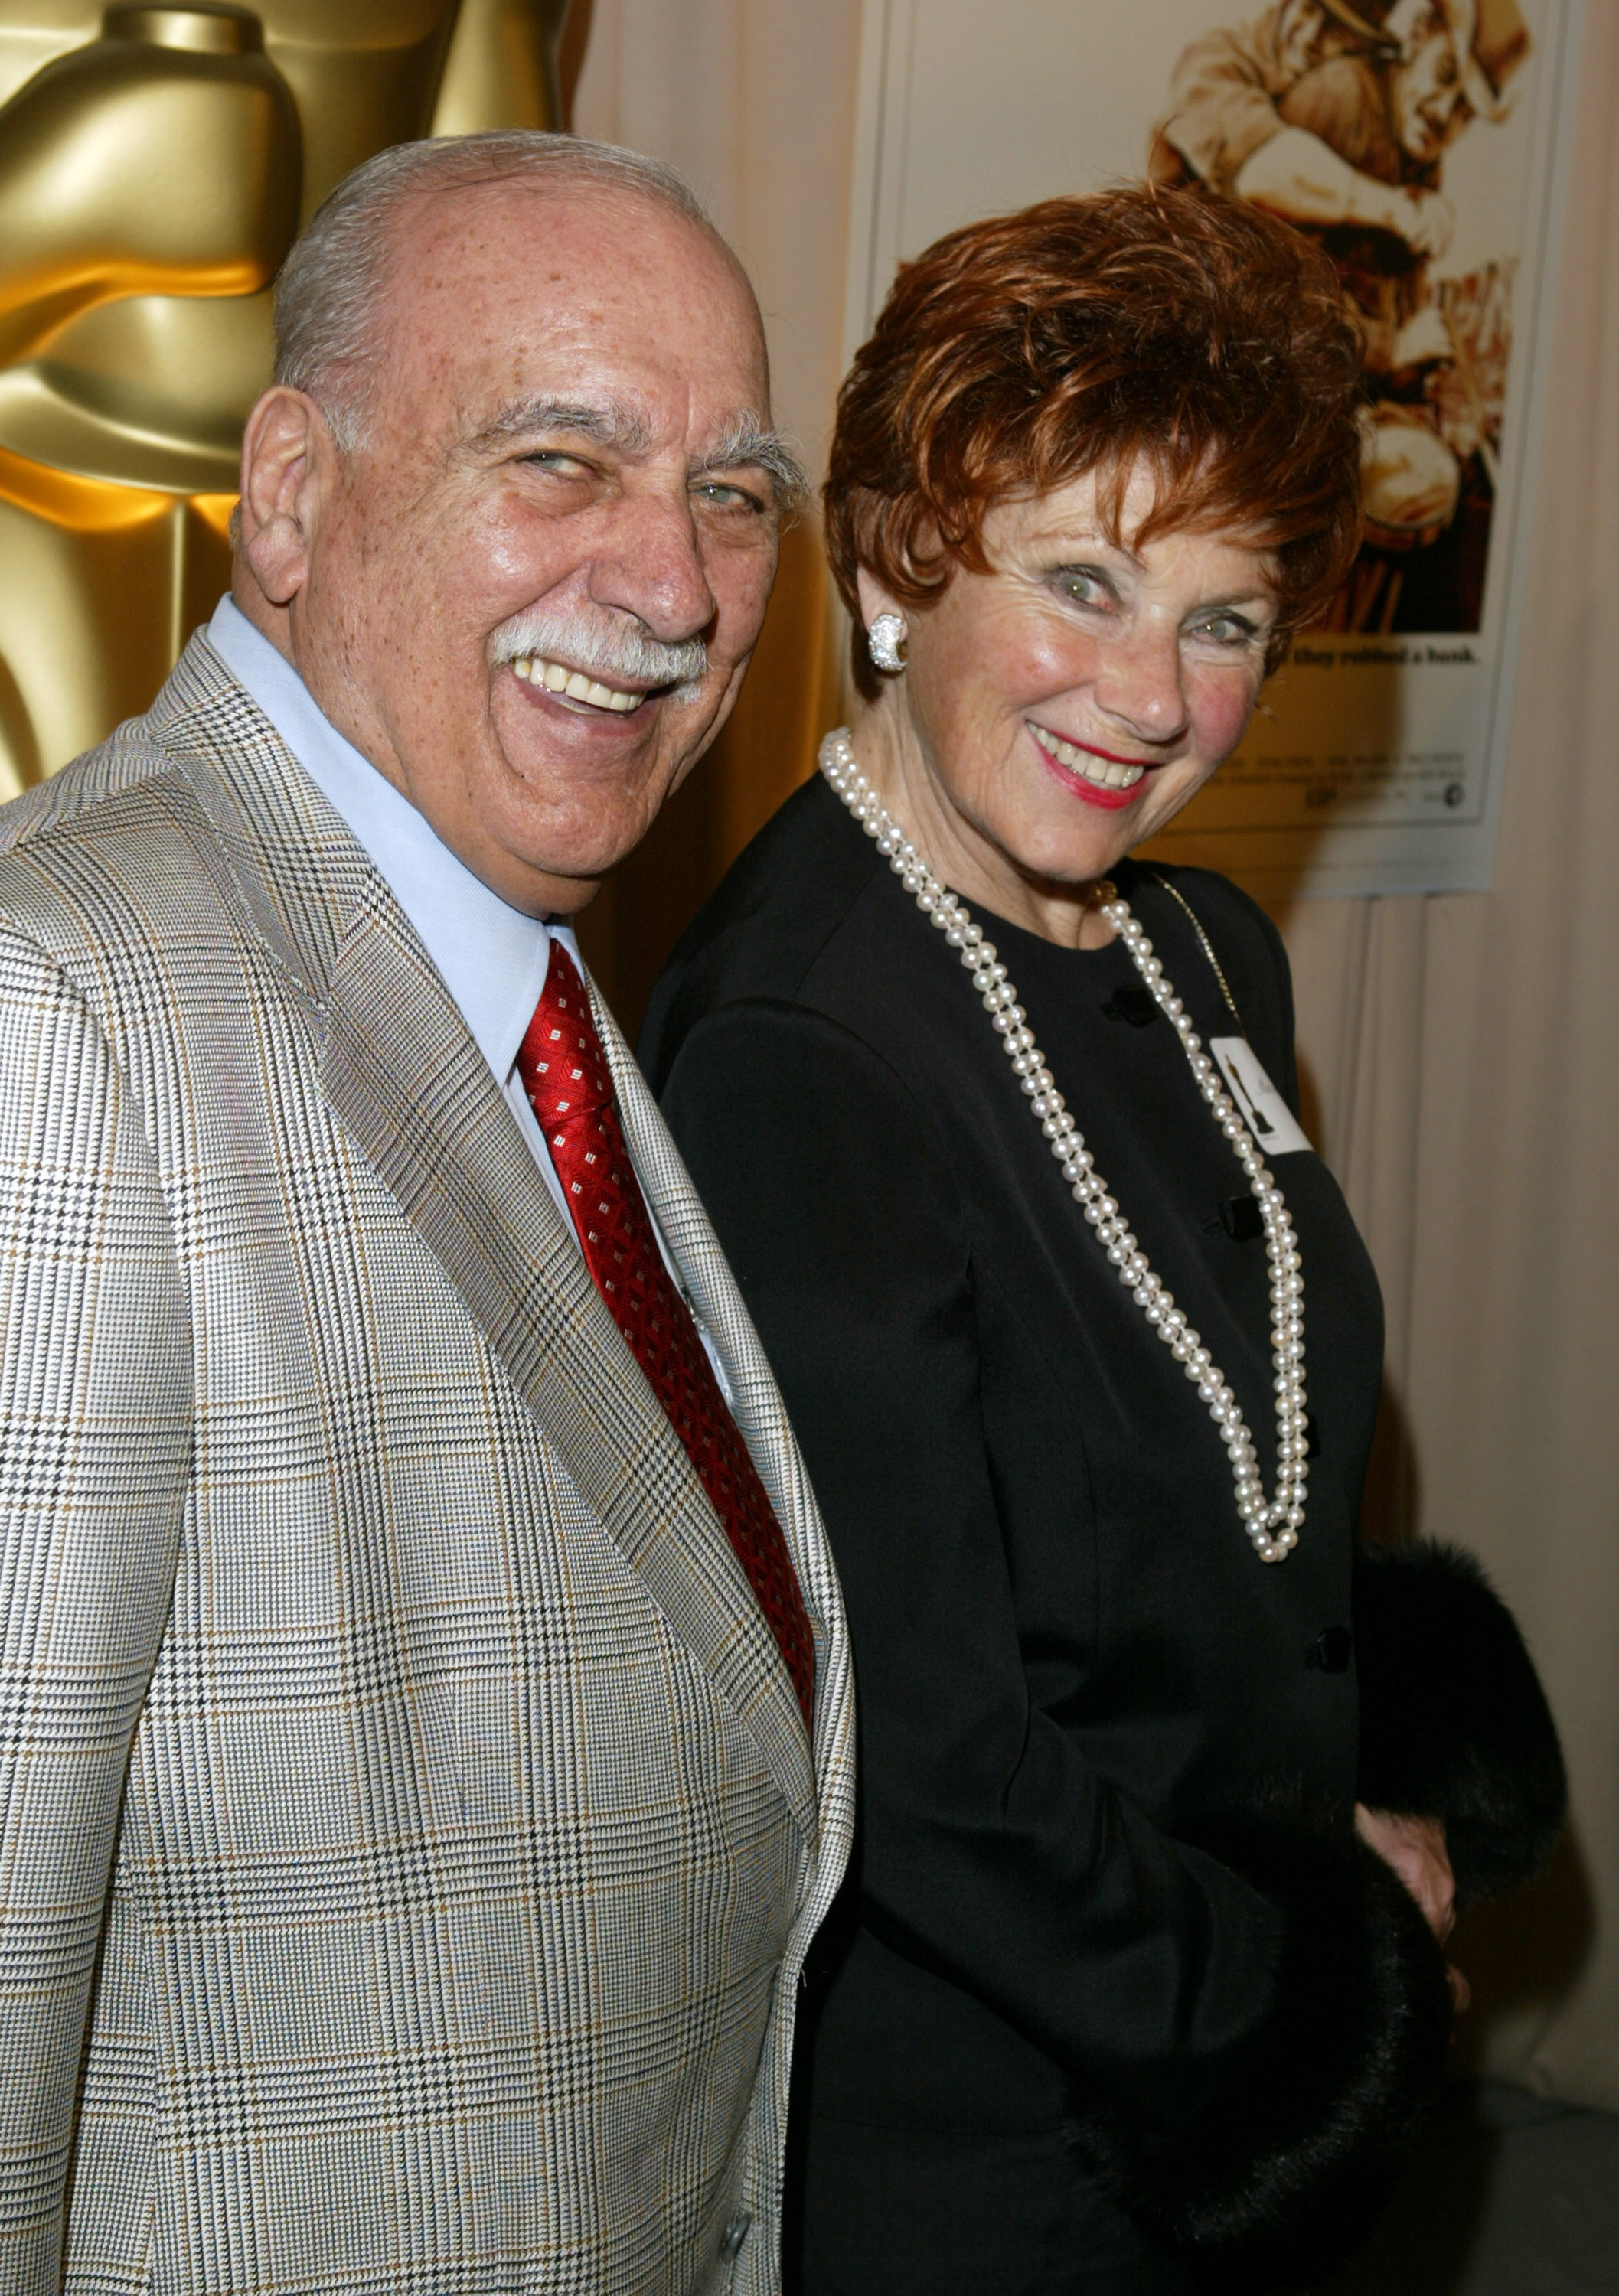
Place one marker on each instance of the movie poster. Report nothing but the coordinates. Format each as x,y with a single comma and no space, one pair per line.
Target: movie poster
1417,142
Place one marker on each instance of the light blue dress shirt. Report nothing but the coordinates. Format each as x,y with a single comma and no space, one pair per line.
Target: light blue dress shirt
491,957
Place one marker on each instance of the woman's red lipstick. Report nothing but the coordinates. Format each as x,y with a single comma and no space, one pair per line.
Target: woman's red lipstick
1111,801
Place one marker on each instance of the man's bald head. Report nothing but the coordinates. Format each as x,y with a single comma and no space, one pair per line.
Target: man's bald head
330,301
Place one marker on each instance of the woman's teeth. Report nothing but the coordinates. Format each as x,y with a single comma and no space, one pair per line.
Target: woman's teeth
1103,771
574,683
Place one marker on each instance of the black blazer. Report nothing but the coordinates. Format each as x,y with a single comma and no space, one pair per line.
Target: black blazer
1108,1757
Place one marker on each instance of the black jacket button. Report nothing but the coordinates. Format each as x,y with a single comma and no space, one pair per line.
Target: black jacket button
1330,1650
1239,1217
1138,1007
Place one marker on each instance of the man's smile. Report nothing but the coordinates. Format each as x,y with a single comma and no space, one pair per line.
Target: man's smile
573,685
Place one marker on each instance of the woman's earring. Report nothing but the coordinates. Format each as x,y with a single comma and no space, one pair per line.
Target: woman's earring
884,640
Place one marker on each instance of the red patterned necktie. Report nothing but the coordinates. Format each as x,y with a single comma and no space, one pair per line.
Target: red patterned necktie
565,1074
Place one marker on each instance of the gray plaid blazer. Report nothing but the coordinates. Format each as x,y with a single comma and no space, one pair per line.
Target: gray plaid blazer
409,1837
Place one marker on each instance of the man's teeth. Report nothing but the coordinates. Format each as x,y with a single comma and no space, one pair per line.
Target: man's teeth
1102,771
574,683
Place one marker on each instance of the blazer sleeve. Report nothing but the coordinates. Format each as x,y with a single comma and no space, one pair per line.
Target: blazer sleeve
95,1446
1191,1986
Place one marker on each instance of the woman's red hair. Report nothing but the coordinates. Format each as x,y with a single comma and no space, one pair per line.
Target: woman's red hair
1088,333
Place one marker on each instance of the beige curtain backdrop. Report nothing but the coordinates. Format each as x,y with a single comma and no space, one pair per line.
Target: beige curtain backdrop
1462,1050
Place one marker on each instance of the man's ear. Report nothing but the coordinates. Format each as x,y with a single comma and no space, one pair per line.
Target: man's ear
288,462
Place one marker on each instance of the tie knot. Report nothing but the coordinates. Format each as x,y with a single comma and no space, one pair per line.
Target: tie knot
562,1062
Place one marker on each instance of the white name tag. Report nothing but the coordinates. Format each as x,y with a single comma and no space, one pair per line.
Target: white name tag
1267,1115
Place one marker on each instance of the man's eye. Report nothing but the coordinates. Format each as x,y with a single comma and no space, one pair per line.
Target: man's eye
557,461
727,496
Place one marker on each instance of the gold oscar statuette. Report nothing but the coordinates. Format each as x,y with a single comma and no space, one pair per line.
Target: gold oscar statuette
155,165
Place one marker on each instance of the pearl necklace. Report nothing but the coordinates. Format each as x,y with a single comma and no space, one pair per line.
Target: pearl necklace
1272,1525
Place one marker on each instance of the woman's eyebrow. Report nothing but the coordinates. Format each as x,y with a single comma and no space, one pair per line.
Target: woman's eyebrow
1079,540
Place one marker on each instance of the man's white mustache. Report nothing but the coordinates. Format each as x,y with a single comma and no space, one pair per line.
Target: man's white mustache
605,646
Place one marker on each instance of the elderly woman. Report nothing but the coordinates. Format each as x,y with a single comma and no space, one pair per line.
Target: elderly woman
999,1132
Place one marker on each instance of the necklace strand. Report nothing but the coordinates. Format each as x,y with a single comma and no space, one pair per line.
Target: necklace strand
1272,1525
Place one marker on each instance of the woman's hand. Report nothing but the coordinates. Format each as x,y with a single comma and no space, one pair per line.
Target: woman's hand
1414,1847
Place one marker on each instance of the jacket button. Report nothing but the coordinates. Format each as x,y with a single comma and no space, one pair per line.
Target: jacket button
1138,1007
1239,1216
734,2235
1330,1650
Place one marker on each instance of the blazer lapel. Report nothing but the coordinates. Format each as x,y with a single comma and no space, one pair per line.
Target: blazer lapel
401,1071
757,1402
405,1078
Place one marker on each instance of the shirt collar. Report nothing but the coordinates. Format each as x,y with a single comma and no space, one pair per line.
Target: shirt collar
490,956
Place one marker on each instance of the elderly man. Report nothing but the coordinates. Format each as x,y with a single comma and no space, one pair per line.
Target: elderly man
426,1719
